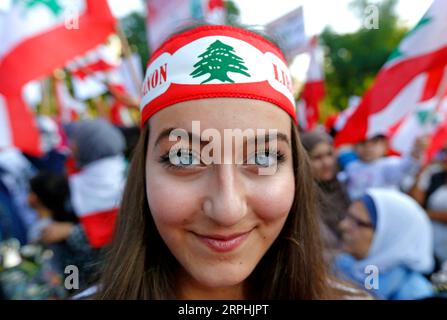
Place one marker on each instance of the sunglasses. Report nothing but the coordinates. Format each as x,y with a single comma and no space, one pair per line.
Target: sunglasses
358,222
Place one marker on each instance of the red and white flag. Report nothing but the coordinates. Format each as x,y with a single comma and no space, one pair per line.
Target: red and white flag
120,114
402,82
426,117
18,127
313,90
96,193
69,109
40,36
92,71
214,11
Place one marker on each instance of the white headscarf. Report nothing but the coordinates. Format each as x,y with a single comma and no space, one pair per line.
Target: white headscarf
403,235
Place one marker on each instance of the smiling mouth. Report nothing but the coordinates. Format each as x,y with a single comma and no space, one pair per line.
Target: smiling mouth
223,243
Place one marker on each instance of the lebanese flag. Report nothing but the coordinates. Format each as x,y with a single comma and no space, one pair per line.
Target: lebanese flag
120,113
214,11
426,116
69,109
91,71
402,80
37,38
96,193
313,91
18,127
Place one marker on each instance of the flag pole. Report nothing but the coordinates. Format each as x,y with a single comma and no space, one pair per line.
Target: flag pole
128,54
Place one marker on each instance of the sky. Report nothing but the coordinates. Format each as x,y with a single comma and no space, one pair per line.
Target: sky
320,13
317,13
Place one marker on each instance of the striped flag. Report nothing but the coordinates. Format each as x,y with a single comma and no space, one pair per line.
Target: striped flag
402,82
69,109
17,125
96,193
43,39
313,91
92,71
425,118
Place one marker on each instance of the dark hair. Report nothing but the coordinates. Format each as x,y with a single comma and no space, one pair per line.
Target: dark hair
53,192
312,138
140,266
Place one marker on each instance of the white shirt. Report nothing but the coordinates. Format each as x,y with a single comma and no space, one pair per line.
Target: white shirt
385,172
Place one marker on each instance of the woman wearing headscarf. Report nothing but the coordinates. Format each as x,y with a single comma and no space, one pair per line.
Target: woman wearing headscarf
389,244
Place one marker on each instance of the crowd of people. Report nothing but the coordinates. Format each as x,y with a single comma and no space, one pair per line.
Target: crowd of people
378,211
382,219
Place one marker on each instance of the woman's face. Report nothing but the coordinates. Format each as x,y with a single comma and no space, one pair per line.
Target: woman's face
323,161
218,220
357,231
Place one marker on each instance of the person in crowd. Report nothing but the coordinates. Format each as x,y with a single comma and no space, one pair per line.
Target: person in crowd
435,202
95,191
388,244
189,228
15,172
50,197
334,198
54,153
373,169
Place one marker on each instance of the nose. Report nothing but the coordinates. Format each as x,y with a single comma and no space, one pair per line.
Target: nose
225,204
344,225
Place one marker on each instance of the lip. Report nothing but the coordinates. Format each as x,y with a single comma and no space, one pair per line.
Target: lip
223,243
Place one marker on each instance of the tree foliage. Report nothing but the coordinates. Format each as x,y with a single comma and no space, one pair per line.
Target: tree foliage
134,28
353,60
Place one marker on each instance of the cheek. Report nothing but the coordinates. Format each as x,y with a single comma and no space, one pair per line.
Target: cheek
272,198
171,202
316,166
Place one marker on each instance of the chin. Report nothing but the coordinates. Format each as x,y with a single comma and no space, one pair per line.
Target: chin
221,276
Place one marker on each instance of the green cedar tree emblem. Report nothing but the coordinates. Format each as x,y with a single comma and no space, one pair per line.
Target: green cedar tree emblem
53,5
219,59
396,52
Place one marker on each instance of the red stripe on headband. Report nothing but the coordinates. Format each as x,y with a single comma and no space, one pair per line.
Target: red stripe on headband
237,90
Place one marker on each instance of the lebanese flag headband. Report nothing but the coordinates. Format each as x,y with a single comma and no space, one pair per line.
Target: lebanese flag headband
213,62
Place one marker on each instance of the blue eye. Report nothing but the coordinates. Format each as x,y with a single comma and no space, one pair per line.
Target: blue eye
185,158
263,160
181,158
266,158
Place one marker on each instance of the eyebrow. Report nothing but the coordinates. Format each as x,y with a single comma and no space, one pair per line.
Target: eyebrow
166,132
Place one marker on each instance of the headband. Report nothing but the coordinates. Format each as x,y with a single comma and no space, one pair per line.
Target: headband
212,62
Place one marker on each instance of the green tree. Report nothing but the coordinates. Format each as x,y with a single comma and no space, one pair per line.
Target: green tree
134,28
219,59
353,60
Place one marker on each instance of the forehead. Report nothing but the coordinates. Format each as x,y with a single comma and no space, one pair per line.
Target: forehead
221,114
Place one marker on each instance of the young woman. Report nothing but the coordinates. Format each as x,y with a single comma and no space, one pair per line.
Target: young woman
334,197
192,229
